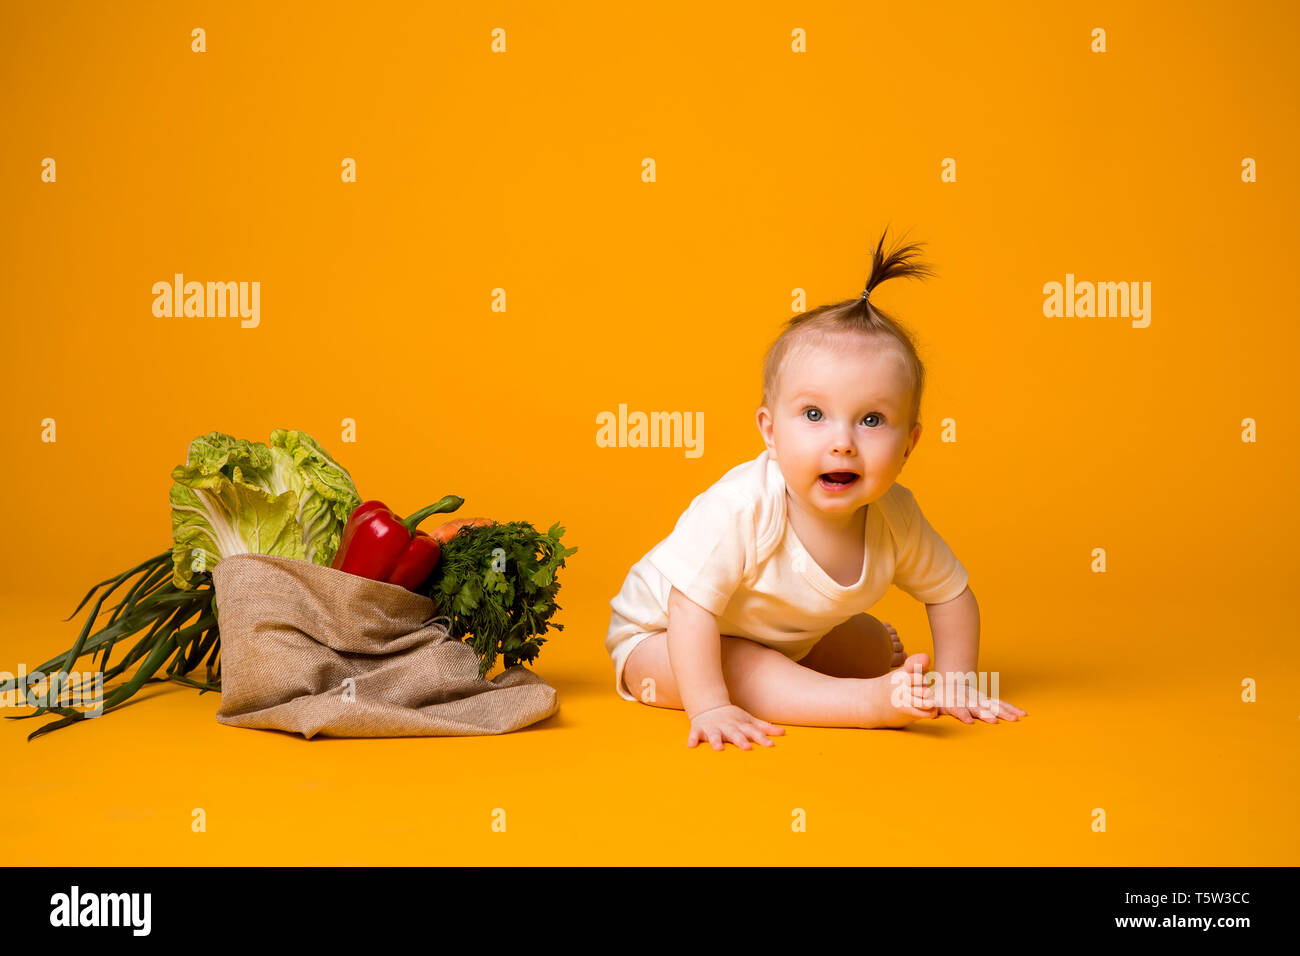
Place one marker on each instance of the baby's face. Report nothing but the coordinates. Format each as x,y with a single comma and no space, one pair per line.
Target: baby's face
845,408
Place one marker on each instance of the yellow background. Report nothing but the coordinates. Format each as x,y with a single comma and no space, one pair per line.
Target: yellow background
775,171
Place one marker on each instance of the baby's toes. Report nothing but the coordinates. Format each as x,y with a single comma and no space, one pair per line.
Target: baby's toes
918,696
899,655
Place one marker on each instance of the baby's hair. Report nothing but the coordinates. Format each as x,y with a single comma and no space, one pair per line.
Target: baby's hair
857,315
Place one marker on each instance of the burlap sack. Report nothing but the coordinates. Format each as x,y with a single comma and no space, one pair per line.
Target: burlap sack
293,632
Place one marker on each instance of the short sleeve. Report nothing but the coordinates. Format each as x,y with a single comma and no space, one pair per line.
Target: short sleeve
708,552
925,566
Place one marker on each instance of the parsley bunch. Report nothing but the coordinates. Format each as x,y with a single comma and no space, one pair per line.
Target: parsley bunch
498,583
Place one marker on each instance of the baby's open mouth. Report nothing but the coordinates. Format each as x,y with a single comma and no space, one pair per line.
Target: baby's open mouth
840,478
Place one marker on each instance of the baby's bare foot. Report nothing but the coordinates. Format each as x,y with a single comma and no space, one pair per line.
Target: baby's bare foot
900,697
900,655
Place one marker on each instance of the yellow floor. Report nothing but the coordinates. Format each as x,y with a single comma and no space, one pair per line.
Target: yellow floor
1187,773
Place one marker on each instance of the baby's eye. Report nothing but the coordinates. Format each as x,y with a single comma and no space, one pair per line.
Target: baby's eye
815,411
872,415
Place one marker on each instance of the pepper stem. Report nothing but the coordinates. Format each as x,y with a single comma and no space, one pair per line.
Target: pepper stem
449,503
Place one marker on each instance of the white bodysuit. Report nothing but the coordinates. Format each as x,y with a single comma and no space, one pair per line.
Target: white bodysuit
734,553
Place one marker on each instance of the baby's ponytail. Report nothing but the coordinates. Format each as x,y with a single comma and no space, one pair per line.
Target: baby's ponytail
898,264
861,315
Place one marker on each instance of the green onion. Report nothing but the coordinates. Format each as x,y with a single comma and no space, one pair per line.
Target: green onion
155,606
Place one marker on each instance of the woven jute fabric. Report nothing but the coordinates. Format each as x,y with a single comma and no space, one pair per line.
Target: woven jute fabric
312,650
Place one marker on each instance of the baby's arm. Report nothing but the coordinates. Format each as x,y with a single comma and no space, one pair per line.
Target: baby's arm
955,626
695,656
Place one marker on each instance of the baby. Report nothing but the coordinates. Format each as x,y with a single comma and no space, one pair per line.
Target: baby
753,608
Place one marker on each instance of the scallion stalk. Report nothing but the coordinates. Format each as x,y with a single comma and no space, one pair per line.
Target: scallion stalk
155,606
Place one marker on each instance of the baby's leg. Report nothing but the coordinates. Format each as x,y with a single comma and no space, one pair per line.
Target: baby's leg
860,647
767,684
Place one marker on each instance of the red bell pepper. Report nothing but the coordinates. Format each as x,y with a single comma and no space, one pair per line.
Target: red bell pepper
378,545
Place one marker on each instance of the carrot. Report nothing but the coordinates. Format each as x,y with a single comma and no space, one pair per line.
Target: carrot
443,533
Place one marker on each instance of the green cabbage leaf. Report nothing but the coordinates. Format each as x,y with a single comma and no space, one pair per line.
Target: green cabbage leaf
233,496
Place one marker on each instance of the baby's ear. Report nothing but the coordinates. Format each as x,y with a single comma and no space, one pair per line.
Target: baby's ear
916,437
763,418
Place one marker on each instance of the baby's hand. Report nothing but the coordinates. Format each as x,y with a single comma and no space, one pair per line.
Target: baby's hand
730,722
986,709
